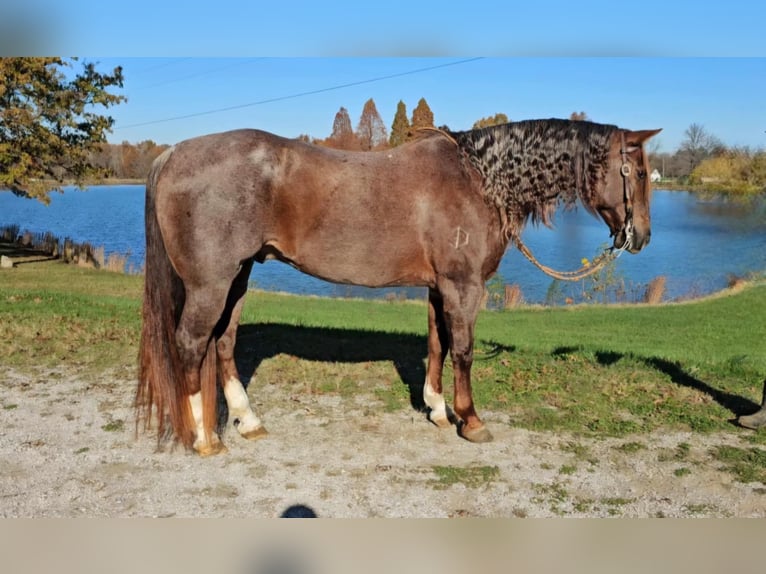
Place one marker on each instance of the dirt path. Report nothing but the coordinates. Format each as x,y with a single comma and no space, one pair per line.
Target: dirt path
67,449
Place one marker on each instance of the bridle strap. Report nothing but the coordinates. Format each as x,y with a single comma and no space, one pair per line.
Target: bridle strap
625,171
609,254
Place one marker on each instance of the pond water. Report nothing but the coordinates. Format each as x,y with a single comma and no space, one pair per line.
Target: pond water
697,244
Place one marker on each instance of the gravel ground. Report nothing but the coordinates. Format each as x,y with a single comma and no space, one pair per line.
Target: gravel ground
68,449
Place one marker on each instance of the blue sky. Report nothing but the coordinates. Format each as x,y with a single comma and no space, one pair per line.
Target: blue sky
293,96
288,66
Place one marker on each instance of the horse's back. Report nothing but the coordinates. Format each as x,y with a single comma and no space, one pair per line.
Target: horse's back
369,218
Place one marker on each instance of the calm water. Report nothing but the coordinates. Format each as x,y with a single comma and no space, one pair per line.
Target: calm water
697,244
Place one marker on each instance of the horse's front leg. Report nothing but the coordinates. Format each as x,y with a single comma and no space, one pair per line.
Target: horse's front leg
462,301
438,346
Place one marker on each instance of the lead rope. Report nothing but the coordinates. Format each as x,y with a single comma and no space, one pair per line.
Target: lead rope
608,255
585,271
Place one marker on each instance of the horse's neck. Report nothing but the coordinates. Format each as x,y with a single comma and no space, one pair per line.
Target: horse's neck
526,179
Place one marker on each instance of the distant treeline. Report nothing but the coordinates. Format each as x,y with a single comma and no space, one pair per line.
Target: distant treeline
127,160
701,162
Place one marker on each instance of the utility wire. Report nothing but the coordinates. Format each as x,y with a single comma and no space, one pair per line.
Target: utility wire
300,94
195,75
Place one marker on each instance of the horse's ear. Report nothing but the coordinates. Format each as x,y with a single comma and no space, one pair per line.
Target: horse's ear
639,137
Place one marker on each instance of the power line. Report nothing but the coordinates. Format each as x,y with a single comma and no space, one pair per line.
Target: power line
195,75
300,94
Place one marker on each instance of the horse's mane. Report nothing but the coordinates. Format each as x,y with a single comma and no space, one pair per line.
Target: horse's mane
531,167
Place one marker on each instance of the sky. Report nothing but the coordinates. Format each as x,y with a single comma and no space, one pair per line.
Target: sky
287,67
171,99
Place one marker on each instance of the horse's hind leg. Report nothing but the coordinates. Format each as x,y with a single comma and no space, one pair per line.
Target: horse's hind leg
240,412
194,336
438,347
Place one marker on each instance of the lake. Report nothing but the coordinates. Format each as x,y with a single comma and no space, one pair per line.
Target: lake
697,243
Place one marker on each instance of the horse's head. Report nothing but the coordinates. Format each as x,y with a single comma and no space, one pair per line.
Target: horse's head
624,201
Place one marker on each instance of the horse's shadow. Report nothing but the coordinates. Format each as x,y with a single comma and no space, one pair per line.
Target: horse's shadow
261,341
736,404
407,352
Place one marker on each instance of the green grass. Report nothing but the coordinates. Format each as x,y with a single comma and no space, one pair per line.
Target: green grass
471,477
747,465
594,370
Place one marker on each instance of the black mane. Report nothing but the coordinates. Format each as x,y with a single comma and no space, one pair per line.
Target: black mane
531,167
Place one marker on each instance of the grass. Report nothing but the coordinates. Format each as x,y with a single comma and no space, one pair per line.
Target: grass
471,477
747,465
593,370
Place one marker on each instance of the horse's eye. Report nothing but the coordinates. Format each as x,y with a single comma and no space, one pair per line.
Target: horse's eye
641,173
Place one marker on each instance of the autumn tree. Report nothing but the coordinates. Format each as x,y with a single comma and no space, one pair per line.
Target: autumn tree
371,131
342,136
49,123
400,129
422,116
495,120
735,171
579,117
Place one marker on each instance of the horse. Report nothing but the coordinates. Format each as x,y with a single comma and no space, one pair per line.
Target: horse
438,211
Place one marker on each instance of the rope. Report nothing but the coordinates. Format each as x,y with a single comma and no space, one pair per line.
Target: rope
581,273
586,270
437,130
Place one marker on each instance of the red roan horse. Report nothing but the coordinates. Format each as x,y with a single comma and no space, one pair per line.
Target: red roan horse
438,212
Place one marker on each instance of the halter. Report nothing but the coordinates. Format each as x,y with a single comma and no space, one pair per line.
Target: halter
609,254
625,171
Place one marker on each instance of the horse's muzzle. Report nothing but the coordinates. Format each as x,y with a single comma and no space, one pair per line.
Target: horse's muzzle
631,239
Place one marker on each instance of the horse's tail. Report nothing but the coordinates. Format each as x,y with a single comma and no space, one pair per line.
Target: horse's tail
161,379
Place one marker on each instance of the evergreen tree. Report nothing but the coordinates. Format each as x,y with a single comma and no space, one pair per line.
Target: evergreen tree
48,126
422,116
400,129
371,131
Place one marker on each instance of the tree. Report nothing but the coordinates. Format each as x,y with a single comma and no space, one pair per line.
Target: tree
579,117
698,145
400,129
495,120
48,123
342,136
371,131
422,116
737,170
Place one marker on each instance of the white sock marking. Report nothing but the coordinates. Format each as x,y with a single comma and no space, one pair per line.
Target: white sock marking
239,406
435,402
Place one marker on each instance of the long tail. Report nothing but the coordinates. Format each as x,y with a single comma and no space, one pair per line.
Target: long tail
161,380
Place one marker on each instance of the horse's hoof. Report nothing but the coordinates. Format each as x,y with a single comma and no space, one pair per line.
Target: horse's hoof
211,449
754,421
440,420
478,434
255,434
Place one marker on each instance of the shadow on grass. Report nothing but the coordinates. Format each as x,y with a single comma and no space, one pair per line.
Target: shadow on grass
257,342
736,404
261,341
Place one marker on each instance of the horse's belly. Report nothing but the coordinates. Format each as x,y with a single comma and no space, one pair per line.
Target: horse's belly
361,265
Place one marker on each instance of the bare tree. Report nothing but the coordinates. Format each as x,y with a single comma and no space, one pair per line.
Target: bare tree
698,145
371,131
342,136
